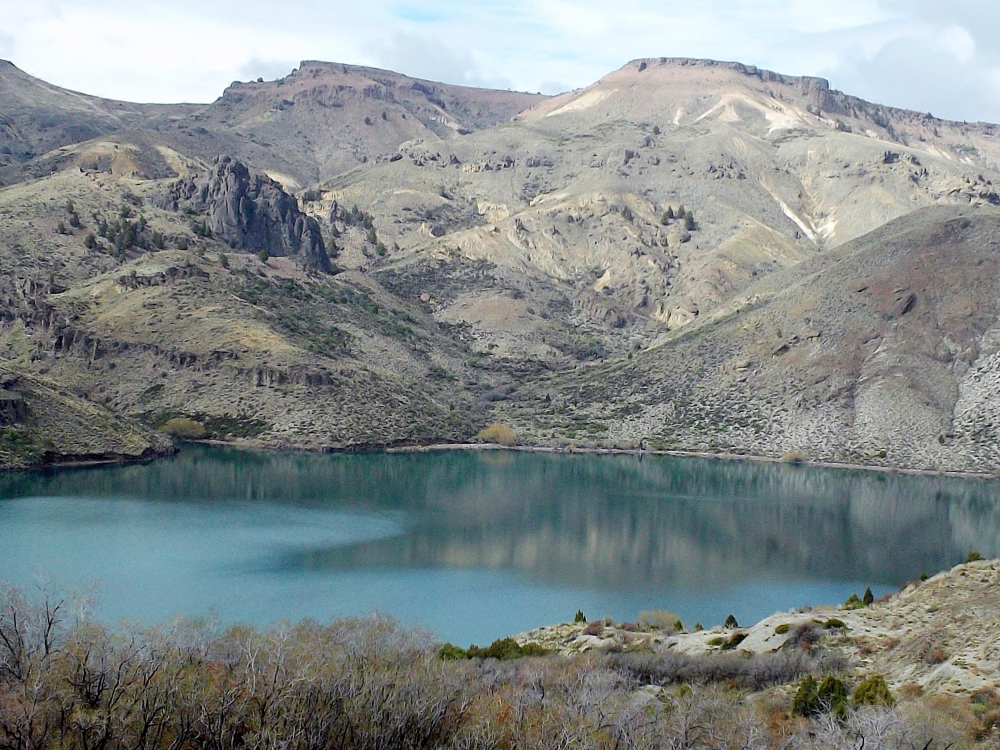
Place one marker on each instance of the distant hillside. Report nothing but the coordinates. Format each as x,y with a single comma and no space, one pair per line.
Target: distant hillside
686,254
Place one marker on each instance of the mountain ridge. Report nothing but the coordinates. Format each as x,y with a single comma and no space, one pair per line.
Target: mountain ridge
556,264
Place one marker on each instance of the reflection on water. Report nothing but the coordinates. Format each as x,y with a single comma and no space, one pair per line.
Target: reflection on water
478,545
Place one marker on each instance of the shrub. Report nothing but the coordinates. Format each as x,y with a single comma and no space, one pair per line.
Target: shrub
263,256
812,698
834,624
973,557
656,130
833,695
184,428
868,598
505,649
579,616
853,602
497,433
660,619
873,691
223,260
782,628
451,652
741,670
793,457
936,655
90,241
805,635
734,640
731,622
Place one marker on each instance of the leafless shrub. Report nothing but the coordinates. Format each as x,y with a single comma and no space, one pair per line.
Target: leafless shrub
367,684
746,671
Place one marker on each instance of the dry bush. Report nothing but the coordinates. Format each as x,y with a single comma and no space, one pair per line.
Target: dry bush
746,671
794,457
184,428
660,619
368,683
497,433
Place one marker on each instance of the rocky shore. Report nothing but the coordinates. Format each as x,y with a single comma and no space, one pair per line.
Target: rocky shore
940,635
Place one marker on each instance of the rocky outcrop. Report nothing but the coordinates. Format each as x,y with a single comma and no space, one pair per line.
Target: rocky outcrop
134,280
251,211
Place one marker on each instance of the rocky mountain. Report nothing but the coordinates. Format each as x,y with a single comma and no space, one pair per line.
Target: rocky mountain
686,255
250,213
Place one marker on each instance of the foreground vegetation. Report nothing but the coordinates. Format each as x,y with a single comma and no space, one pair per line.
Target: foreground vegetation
69,682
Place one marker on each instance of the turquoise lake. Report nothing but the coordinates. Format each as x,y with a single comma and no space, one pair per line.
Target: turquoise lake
477,545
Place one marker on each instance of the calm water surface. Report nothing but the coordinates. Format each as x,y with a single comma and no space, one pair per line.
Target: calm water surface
474,546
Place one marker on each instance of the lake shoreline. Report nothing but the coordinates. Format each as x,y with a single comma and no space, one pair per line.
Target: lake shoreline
685,454
442,447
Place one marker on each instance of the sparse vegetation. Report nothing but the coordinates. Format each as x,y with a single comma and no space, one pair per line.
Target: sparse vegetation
659,619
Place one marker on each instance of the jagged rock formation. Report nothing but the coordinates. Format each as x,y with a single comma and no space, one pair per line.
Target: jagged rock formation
252,211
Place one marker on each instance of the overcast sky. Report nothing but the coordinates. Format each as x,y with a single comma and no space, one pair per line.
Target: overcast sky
934,56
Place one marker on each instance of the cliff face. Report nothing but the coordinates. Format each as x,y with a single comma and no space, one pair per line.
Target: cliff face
252,212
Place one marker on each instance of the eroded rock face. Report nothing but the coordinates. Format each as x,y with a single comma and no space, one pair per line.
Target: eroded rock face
253,211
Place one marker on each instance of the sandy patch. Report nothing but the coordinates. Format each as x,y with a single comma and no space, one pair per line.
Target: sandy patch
584,101
779,117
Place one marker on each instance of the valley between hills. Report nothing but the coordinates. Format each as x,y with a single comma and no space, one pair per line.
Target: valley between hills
687,255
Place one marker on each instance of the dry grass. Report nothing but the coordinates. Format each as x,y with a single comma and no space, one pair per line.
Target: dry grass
184,428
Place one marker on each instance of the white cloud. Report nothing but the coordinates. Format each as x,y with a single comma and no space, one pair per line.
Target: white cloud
958,42
923,54
423,57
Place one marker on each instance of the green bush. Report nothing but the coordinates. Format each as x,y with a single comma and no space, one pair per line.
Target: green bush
834,624
579,616
853,602
451,652
782,628
973,557
812,698
869,597
731,622
505,649
806,700
873,691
